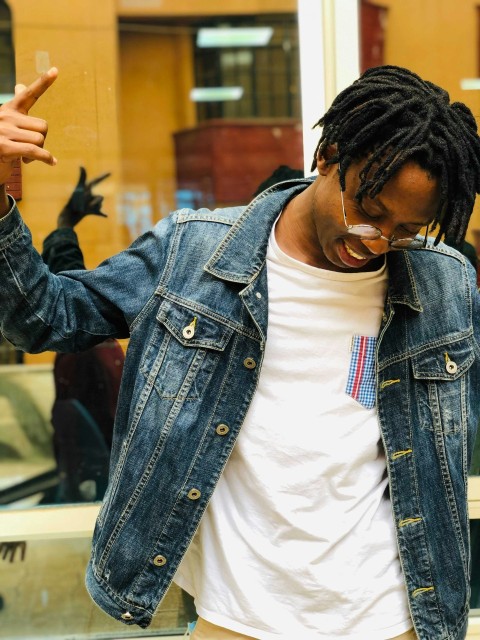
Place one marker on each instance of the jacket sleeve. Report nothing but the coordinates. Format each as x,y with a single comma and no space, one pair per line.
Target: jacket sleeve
73,311
61,251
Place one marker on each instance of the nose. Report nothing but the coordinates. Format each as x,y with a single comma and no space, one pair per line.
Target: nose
378,246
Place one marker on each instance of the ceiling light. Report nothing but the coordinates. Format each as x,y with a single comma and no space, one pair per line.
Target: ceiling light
470,83
215,94
234,37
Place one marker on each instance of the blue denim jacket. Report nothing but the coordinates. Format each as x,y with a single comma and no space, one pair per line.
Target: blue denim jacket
192,295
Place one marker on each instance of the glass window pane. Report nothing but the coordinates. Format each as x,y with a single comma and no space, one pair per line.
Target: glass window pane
42,596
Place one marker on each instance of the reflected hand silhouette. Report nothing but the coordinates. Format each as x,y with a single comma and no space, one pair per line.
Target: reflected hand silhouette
82,201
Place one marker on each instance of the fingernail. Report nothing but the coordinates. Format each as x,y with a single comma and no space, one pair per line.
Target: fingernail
54,162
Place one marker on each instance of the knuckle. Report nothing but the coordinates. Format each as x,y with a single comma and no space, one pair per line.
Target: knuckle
30,149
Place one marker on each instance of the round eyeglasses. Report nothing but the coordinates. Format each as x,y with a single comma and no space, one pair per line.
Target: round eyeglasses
369,232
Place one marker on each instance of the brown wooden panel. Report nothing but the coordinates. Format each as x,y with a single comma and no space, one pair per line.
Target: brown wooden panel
14,185
224,161
373,20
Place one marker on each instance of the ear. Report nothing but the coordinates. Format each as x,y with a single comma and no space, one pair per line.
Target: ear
323,156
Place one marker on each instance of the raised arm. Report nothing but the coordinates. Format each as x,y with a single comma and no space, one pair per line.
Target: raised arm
76,309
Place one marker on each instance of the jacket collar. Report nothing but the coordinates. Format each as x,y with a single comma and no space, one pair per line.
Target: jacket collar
241,254
402,288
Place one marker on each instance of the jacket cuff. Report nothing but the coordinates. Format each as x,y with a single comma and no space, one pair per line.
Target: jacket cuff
11,225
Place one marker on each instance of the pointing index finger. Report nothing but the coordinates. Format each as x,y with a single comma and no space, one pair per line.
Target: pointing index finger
24,100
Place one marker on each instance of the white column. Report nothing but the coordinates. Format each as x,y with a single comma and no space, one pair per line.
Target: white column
329,60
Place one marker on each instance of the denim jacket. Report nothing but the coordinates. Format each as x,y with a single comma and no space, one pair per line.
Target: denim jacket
192,296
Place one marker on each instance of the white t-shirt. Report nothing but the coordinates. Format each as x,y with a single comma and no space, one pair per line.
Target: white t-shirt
298,540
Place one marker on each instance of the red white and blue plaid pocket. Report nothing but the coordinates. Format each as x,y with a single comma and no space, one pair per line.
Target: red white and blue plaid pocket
361,384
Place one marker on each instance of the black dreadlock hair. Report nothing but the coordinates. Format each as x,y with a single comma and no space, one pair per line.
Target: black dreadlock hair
390,115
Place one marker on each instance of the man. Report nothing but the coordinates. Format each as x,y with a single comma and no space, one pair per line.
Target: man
361,403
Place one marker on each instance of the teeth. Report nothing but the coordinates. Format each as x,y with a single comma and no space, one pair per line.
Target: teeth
352,252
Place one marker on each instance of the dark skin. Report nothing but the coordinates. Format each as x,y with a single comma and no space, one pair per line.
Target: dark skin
311,228
21,135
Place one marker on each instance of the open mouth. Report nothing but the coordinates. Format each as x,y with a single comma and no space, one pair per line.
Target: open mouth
353,253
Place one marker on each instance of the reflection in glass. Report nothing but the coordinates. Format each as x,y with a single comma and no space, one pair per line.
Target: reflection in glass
267,70
27,464
56,427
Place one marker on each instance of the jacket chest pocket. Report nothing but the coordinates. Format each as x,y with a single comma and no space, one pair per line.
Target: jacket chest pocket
183,351
442,389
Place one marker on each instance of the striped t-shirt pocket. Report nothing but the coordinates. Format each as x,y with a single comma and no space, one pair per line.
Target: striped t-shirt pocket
361,376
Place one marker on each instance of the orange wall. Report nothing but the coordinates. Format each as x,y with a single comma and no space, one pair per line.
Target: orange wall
139,8
80,38
156,76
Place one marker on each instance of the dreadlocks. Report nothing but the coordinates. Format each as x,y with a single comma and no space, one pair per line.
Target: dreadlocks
390,115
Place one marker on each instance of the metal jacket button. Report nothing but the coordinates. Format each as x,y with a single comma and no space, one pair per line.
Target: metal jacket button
194,494
159,561
249,363
126,616
222,429
189,331
451,367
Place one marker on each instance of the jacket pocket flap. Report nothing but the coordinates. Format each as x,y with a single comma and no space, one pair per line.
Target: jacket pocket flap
192,328
446,362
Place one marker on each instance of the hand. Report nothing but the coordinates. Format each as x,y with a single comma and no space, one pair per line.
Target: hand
21,135
82,201
9,549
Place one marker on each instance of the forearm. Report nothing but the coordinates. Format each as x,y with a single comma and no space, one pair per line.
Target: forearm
61,251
